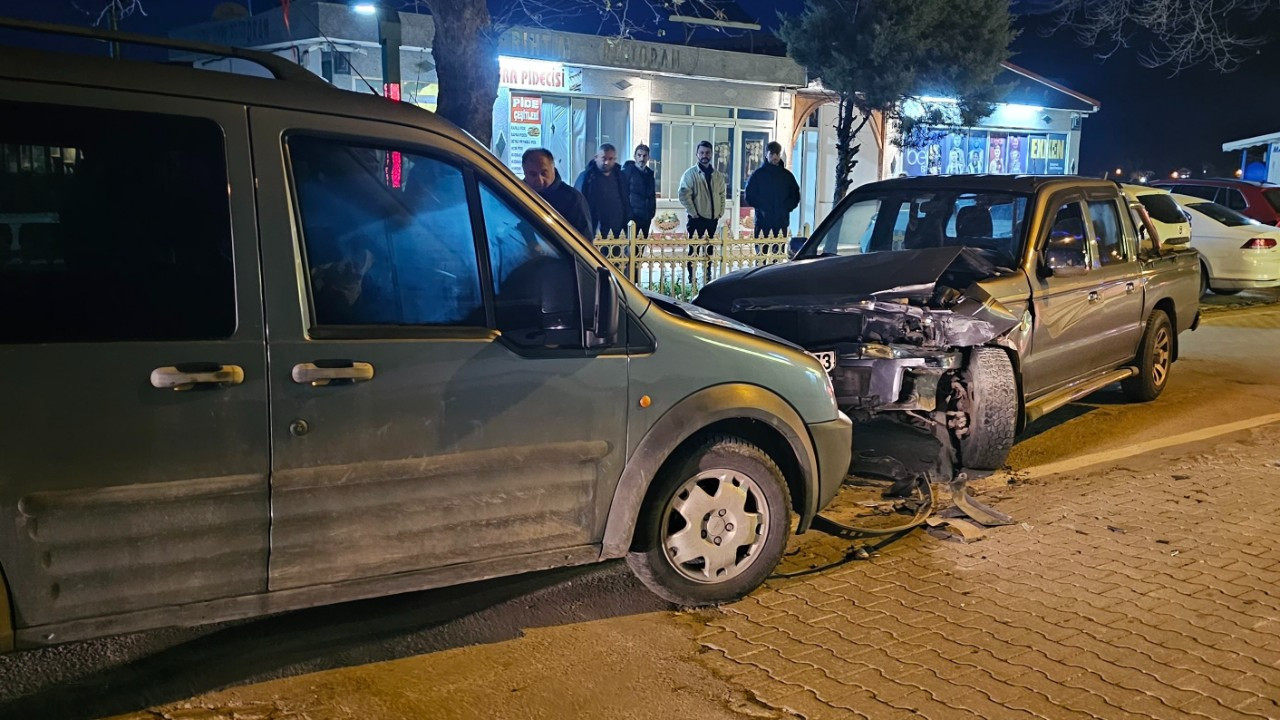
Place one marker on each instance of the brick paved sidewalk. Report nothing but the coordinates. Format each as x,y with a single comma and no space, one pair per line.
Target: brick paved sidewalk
1145,590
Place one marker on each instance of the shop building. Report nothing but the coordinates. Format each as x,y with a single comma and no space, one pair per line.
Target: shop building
571,92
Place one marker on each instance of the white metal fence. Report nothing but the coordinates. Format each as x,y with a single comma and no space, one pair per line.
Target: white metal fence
678,265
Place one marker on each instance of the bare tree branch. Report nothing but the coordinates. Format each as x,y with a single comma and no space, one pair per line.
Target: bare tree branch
1174,34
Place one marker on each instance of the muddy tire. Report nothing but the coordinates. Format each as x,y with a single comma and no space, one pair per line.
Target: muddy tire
1220,291
714,525
1154,360
993,410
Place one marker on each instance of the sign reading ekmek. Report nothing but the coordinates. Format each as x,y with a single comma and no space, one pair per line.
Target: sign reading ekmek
532,74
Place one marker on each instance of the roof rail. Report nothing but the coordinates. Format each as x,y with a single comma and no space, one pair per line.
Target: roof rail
280,68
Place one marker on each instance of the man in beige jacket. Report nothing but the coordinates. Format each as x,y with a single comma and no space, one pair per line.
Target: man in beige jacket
702,193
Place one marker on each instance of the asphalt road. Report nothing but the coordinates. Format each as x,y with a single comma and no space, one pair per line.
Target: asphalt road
546,645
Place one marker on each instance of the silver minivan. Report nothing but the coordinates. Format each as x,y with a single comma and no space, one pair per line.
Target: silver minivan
267,345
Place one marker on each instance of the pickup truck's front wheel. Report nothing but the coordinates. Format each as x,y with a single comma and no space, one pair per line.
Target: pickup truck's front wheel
714,526
992,409
1154,359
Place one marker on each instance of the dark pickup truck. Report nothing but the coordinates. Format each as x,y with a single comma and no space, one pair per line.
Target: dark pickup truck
977,304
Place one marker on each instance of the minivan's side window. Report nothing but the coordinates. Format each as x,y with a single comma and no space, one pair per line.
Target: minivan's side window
387,234
534,279
114,226
1106,230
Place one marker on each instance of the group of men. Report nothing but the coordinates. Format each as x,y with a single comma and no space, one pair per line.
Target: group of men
606,197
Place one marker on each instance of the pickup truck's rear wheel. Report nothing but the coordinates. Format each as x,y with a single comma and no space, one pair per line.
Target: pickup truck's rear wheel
993,409
714,526
1154,359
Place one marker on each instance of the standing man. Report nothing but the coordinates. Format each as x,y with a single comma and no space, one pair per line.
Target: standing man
773,192
606,193
642,191
541,176
702,193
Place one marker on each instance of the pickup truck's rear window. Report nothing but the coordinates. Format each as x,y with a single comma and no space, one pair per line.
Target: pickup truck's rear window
991,223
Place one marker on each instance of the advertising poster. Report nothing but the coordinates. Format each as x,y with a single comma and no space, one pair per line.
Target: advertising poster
753,149
976,160
954,152
996,153
1036,164
1056,154
525,128
1016,163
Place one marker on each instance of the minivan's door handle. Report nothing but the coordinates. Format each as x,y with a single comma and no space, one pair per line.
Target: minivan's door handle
1129,288
1093,296
187,376
319,376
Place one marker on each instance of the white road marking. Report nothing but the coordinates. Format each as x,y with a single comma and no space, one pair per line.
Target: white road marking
1106,456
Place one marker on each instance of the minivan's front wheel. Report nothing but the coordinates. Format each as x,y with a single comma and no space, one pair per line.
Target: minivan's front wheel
715,524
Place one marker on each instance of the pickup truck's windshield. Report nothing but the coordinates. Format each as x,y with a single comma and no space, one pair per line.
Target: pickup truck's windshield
991,223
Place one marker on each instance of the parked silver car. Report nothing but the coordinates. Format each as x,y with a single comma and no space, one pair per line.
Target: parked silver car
281,345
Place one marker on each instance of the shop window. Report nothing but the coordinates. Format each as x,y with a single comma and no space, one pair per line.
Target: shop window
115,226
712,111
677,143
748,114
382,250
671,108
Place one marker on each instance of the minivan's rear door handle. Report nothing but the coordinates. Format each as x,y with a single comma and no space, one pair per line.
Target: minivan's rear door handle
1093,296
318,376
187,376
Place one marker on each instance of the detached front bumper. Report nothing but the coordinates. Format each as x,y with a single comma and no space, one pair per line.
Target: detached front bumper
833,444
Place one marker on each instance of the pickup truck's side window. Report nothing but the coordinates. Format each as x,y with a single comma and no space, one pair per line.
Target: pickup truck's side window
1106,230
114,226
1067,245
388,236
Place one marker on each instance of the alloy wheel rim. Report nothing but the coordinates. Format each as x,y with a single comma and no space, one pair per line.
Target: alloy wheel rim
1160,357
714,525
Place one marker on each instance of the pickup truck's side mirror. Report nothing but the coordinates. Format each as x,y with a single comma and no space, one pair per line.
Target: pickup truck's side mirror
604,330
794,246
1064,254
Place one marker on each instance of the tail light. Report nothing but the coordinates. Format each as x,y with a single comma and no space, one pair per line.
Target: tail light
1259,243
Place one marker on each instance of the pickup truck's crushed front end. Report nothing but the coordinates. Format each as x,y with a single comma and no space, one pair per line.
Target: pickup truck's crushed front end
889,326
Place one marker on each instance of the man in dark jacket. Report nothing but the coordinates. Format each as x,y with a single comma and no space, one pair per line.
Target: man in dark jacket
605,189
641,190
773,192
541,176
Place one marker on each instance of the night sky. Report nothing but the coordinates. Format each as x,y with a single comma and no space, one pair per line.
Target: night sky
1148,120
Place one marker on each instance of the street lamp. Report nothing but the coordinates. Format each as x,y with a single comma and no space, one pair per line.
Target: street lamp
389,39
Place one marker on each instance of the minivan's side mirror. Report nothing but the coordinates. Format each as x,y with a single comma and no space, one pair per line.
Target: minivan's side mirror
604,330
794,246
1064,254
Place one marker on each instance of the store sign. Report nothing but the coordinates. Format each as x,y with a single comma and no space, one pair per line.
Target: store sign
524,127
532,74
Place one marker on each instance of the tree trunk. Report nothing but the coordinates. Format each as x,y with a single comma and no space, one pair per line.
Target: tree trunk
465,50
846,151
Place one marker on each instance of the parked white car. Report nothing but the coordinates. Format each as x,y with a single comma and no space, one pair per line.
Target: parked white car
1236,252
1170,221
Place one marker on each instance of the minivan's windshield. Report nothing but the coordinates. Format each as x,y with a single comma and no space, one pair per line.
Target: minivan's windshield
892,220
1222,214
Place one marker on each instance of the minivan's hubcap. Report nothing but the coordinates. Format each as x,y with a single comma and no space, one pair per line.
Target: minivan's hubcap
1160,357
713,525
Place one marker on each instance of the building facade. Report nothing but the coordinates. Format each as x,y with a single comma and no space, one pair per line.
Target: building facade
570,92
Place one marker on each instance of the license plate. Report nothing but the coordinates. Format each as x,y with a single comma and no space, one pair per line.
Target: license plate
827,358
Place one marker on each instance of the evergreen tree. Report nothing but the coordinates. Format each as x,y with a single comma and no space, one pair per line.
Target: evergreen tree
878,56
